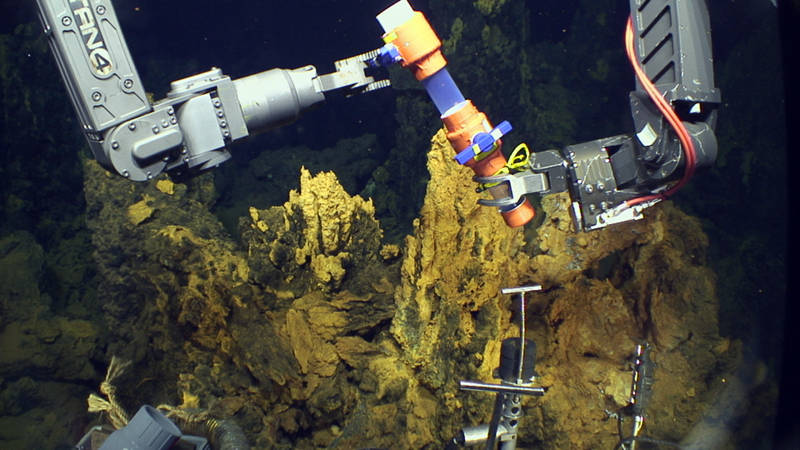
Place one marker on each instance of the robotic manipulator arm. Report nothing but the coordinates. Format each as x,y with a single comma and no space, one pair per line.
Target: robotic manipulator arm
610,180
674,108
188,131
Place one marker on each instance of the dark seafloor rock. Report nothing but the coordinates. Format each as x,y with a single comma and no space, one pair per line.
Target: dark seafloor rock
44,357
260,333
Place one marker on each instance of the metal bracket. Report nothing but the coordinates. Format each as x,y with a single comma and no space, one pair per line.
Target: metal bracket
350,75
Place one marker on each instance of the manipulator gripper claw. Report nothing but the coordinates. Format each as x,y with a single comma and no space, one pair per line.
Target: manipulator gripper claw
350,76
546,174
517,185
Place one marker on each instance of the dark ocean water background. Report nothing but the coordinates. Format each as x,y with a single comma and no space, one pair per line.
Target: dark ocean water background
742,201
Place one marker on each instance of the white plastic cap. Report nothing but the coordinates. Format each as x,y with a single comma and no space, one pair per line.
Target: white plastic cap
395,15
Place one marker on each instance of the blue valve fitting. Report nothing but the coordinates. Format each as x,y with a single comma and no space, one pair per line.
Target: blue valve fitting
483,142
387,55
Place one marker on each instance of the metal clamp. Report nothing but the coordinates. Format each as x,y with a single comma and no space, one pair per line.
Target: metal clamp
546,174
350,75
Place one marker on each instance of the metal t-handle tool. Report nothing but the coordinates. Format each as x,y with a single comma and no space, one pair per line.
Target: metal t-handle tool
516,371
522,290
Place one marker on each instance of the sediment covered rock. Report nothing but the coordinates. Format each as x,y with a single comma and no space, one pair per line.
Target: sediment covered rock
309,332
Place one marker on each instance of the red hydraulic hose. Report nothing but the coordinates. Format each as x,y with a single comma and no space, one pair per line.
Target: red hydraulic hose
669,114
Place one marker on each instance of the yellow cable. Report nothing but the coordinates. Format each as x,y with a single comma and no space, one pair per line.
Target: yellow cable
519,157
517,160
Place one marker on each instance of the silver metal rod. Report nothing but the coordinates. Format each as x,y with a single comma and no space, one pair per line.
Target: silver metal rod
478,434
508,445
521,289
494,424
501,388
521,336
637,428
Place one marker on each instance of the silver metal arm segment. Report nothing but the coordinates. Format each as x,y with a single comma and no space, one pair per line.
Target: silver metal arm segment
187,132
94,61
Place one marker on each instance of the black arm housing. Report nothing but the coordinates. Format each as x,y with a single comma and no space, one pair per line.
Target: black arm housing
672,42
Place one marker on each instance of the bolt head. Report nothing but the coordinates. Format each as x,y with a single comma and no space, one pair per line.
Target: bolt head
66,21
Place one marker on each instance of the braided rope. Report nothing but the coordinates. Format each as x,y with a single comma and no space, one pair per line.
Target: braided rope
116,414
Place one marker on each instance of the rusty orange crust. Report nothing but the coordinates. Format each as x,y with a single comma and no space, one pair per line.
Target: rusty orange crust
419,46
